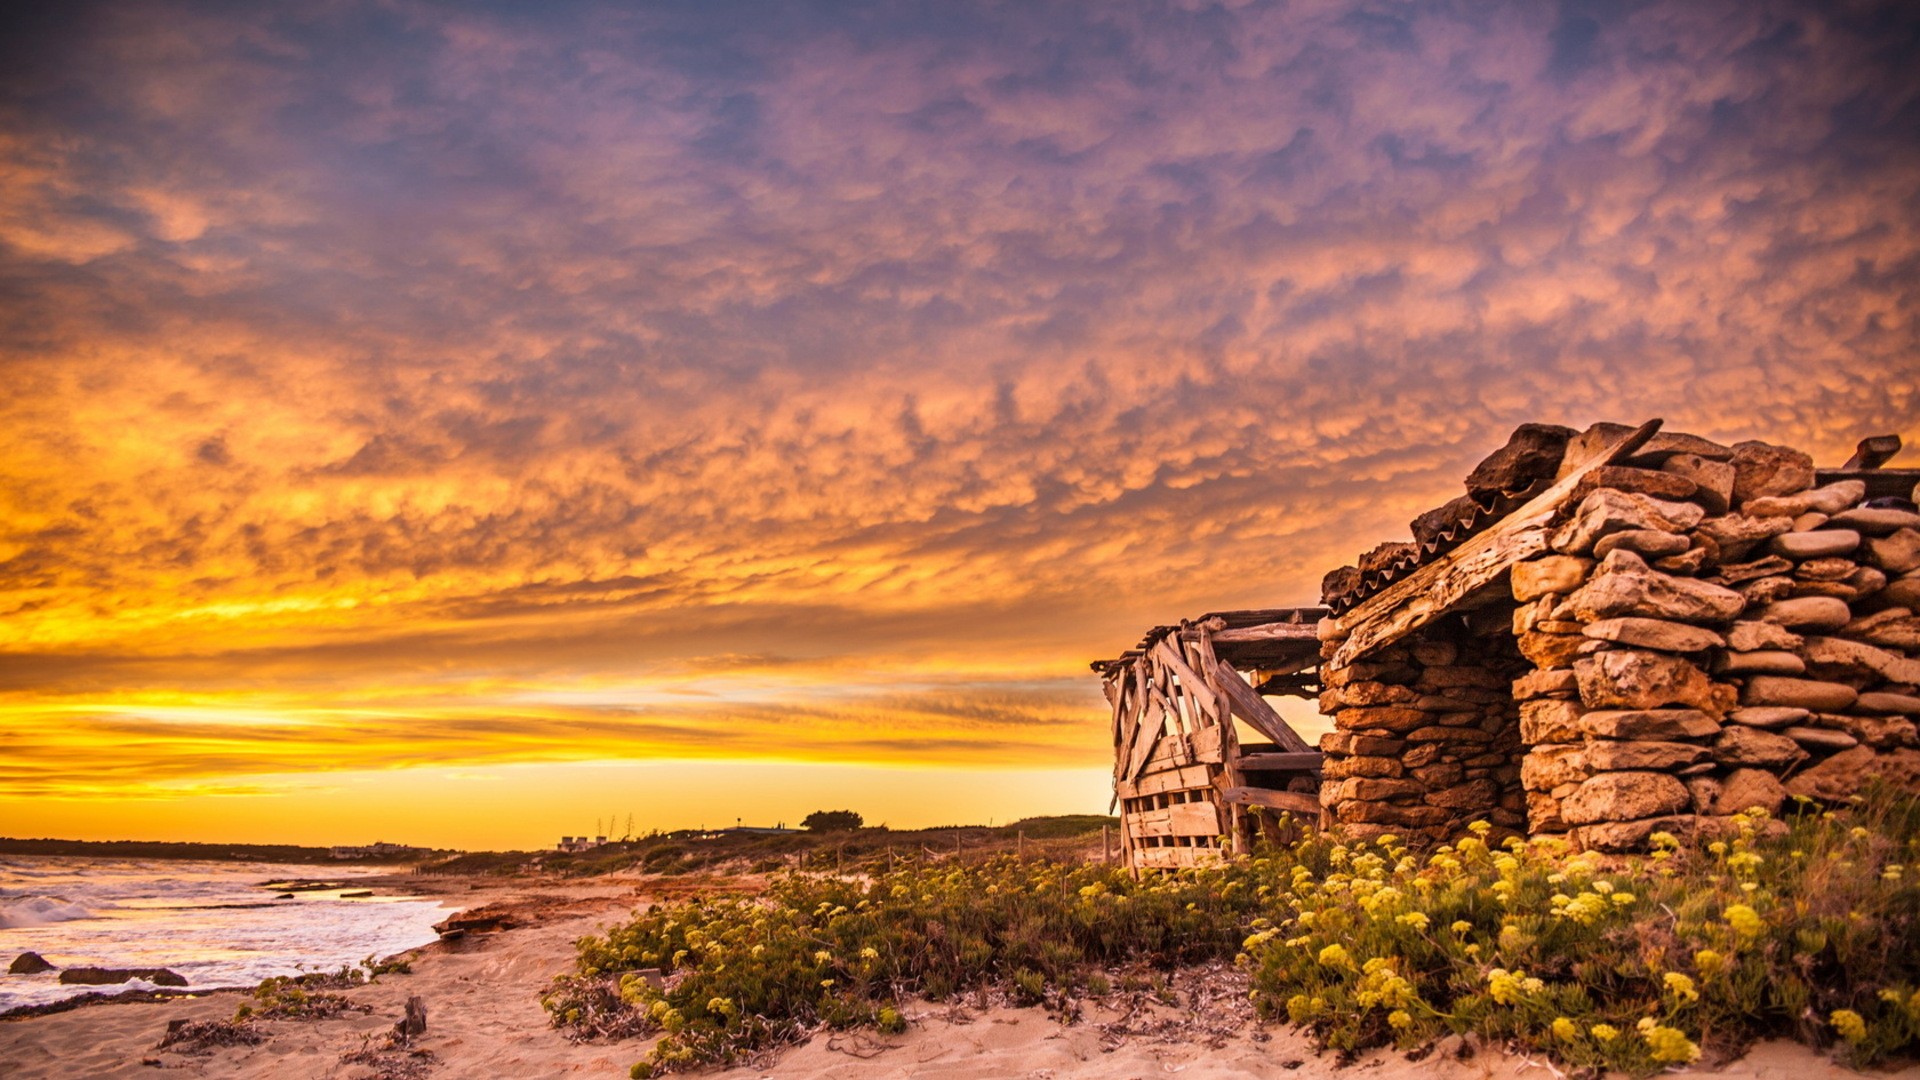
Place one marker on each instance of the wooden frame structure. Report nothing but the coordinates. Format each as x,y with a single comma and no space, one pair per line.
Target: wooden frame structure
1182,777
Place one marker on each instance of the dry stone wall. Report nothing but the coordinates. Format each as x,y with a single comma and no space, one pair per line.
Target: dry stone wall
1426,733
1708,631
1712,632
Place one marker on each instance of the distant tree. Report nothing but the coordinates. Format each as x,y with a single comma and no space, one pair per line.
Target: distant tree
832,821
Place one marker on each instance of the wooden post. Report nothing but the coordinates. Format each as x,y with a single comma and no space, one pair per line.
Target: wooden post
1020,844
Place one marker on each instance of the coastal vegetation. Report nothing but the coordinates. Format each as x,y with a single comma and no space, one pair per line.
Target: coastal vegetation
1807,927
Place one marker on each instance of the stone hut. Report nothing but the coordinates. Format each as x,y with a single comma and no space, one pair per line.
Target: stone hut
1616,632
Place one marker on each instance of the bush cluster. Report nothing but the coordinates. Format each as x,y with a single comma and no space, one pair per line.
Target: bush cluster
1808,928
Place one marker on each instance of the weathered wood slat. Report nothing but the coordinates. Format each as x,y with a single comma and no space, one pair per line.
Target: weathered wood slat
1269,632
1881,483
1250,707
1175,858
1194,819
1180,778
1430,590
1207,744
1190,682
1298,802
1308,761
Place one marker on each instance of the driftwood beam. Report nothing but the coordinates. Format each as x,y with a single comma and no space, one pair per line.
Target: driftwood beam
1433,588
1873,452
1268,632
1250,707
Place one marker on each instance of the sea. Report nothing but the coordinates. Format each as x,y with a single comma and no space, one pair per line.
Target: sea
213,923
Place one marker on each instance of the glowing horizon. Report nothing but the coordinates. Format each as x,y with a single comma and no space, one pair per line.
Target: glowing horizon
407,389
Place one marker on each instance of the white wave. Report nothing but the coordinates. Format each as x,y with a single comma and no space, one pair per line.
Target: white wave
40,911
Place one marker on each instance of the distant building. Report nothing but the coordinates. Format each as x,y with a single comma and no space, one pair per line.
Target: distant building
580,843
379,849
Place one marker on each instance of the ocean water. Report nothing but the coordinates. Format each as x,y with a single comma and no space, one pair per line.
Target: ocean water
209,922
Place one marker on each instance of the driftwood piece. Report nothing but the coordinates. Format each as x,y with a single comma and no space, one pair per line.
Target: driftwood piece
1298,802
1432,589
1250,707
1268,632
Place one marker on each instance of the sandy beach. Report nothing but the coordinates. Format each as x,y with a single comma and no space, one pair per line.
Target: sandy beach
485,1020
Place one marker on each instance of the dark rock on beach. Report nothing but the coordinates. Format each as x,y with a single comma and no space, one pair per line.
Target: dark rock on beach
29,963
93,976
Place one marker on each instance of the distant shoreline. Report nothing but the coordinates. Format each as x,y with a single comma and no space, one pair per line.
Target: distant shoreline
166,849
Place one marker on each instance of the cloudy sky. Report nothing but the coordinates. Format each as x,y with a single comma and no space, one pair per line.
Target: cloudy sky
482,419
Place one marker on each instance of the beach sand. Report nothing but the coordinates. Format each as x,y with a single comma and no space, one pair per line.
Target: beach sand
484,1020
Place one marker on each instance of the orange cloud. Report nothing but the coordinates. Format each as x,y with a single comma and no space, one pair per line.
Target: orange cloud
384,378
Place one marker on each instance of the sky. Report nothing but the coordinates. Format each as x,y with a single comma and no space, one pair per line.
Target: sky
457,423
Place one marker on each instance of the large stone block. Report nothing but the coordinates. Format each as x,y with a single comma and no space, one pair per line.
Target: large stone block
1554,682
1625,796
1896,553
1659,634
1390,718
1548,575
1347,742
1606,511
1616,837
1653,595
1754,636
1768,718
1547,767
1654,483
1812,694
1550,720
1713,480
1646,543
1649,724
1472,795
1744,789
1839,777
1810,614
1607,755
1547,650
1761,469
1740,745
1635,679
1738,534
1763,662
1349,767
1876,520
1823,544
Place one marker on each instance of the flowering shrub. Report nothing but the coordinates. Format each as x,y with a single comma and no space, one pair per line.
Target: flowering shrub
1811,928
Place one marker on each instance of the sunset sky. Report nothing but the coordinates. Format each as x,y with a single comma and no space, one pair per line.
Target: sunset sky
451,423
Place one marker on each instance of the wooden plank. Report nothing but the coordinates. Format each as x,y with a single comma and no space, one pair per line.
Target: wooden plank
1269,632
1432,589
1146,741
1189,681
1298,802
1182,778
1206,744
1177,858
1873,452
1194,819
1250,707
1296,762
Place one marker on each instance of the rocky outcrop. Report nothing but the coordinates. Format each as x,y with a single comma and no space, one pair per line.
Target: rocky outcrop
28,963
98,976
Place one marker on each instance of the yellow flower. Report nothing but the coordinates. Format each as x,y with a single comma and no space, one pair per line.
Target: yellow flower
1849,1024
1399,1019
1565,1029
1681,987
869,953
1709,962
1461,926
822,957
1668,1045
1415,919
1604,1032
1335,956
1745,921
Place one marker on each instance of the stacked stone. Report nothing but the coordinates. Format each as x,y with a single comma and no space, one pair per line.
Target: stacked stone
1425,736
1711,632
